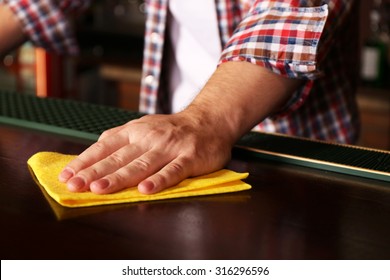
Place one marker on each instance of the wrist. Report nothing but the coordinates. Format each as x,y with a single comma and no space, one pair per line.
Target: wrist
214,119
238,96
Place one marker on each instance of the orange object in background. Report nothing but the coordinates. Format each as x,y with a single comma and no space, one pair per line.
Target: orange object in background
49,71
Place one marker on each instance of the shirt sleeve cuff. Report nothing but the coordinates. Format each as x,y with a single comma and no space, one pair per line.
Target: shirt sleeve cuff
283,39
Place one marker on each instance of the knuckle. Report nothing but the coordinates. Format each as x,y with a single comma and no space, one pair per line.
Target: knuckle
90,174
160,180
99,146
93,172
182,165
77,165
141,164
172,174
118,178
104,134
192,152
116,159
176,168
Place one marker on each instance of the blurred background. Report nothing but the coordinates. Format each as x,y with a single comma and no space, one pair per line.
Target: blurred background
108,69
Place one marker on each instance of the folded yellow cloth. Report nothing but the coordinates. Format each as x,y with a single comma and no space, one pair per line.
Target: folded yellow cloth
45,167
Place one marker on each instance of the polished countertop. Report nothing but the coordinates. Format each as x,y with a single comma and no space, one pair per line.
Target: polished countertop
291,212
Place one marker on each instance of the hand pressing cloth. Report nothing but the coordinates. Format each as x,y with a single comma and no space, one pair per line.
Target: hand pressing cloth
45,167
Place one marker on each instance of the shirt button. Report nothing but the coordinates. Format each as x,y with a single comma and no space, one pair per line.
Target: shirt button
149,79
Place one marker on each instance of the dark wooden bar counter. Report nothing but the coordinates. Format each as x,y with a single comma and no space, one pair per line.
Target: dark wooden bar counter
291,212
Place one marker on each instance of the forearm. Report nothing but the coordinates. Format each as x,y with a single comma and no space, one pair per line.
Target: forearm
11,32
240,95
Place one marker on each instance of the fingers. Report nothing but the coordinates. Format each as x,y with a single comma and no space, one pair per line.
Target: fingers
96,152
172,174
120,158
127,168
130,174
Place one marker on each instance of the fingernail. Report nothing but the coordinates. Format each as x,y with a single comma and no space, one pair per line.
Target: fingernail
76,183
100,184
146,187
65,175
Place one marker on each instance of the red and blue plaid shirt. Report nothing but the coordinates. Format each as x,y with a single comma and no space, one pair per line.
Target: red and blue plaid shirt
310,40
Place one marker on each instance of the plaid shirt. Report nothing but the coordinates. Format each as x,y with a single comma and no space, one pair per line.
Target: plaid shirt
304,39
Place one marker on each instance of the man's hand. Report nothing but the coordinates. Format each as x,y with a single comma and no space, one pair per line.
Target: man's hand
154,152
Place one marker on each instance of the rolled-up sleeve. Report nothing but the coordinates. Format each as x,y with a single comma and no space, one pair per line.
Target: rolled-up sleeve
46,24
282,38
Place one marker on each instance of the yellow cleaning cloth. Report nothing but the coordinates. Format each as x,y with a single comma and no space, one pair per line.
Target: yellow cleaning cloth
46,166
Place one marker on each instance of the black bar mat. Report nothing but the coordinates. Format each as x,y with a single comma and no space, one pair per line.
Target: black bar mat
87,121
59,116
347,159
